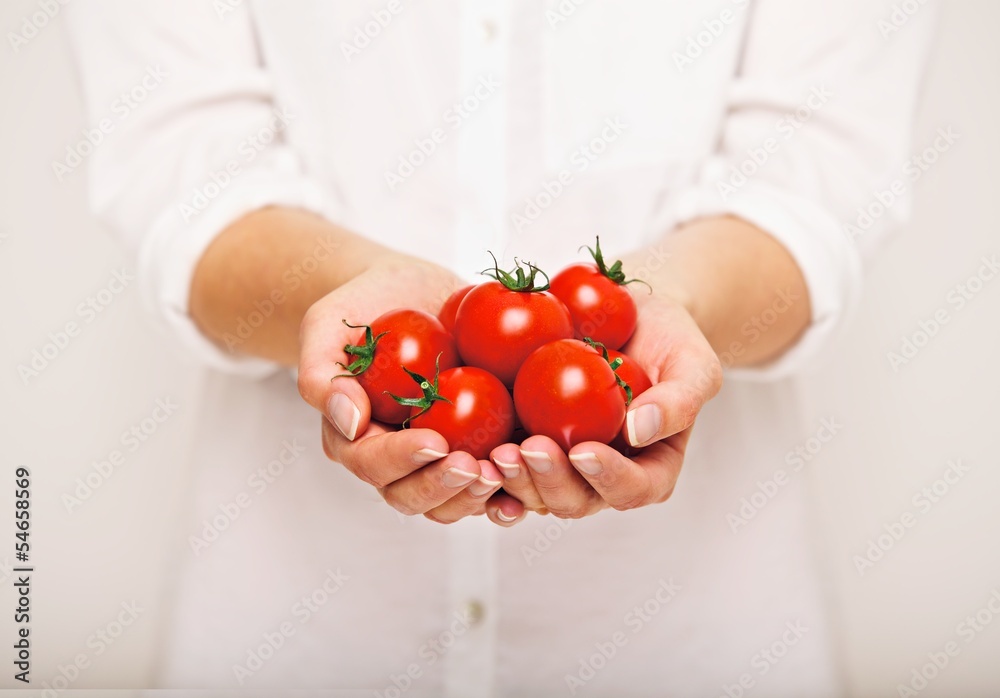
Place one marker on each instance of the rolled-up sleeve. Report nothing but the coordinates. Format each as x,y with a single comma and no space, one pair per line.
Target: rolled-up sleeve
819,121
192,141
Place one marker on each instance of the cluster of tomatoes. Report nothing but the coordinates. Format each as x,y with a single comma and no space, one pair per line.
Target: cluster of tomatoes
508,355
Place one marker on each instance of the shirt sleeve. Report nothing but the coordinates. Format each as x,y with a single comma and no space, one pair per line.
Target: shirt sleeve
192,141
819,119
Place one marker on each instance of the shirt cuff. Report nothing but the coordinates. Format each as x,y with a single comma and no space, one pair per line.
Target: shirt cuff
180,236
827,258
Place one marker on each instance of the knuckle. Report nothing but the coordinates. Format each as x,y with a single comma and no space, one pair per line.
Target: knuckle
370,476
310,319
307,382
439,519
631,502
576,510
327,445
688,409
376,480
427,490
393,499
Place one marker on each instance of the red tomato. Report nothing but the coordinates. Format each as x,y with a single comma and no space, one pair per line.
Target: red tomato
479,414
450,308
567,391
399,338
501,322
598,301
636,378
632,373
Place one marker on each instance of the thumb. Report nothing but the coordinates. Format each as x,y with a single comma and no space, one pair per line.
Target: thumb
672,405
323,382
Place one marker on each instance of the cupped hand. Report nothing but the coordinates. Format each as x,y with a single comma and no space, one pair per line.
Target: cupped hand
686,373
410,468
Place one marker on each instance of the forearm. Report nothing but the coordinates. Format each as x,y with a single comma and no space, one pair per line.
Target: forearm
742,287
256,280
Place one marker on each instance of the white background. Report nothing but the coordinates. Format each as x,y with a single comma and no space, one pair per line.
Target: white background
900,427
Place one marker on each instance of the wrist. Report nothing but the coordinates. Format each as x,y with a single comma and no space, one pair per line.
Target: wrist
660,268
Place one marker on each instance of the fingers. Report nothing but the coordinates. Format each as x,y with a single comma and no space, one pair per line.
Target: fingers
626,483
516,477
433,485
382,456
672,405
504,510
341,399
563,491
470,501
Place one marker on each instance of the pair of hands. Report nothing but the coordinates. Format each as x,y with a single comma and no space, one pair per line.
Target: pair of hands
412,468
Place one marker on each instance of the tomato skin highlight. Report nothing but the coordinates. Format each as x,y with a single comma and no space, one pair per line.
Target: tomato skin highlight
414,339
601,309
567,391
479,417
496,328
450,307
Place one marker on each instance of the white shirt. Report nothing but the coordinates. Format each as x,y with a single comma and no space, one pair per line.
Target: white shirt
445,129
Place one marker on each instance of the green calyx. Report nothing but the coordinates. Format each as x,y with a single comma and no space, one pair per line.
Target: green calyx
429,388
614,368
614,272
518,279
363,354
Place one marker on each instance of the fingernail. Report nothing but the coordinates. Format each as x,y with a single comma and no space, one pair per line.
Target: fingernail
642,424
509,470
455,478
587,463
503,517
427,455
482,487
344,415
538,461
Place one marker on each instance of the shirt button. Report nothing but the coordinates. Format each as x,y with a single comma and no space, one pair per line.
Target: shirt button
474,612
489,29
